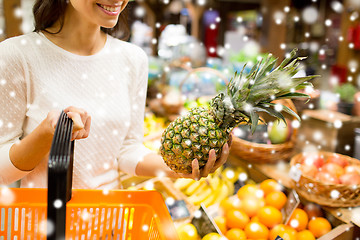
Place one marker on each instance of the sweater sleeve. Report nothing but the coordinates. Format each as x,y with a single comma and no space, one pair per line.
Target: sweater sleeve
13,103
133,150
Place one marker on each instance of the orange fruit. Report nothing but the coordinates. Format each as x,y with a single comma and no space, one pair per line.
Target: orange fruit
236,219
251,205
270,185
220,221
299,219
305,235
276,199
277,230
269,216
212,236
187,231
255,230
255,219
230,203
235,234
249,190
319,226
290,233
283,231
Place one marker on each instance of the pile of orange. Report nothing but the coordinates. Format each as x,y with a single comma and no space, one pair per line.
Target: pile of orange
255,213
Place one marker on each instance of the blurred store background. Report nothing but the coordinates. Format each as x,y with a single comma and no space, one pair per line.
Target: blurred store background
195,46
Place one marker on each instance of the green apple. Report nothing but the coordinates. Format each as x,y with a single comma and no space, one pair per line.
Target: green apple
278,132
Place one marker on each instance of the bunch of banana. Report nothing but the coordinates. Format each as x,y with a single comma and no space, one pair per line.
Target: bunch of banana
153,124
208,191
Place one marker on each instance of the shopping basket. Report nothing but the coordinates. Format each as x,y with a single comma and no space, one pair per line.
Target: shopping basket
40,213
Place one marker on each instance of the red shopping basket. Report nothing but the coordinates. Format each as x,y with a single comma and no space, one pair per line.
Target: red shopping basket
90,214
59,213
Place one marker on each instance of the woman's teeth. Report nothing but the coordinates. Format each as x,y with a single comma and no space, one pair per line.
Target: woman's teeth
110,9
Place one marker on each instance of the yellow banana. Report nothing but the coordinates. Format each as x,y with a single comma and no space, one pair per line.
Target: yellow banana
183,183
218,171
214,182
194,186
210,200
223,192
196,199
204,185
231,187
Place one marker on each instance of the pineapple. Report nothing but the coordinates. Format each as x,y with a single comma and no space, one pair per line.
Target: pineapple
201,129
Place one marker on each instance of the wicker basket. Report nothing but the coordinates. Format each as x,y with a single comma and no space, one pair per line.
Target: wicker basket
331,195
265,153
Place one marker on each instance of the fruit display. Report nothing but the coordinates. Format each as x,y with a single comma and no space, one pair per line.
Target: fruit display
330,169
192,135
153,124
252,211
212,189
326,178
255,212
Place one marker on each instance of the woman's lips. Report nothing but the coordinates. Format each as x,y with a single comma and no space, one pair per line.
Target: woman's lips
110,10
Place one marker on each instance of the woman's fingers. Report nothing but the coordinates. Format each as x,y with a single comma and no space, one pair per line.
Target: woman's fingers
78,123
81,120
223,157
53,117
195,169
210,163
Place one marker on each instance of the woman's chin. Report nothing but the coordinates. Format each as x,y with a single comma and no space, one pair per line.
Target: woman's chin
109,24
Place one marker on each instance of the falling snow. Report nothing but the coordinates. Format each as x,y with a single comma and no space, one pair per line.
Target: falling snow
58,203
145,228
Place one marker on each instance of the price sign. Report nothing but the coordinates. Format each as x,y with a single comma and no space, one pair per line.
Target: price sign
204,223
295,173
291,204
178,210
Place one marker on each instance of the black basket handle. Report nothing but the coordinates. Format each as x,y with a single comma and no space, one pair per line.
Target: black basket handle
60,167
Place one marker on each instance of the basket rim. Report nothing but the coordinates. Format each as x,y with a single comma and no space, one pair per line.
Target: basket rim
265,145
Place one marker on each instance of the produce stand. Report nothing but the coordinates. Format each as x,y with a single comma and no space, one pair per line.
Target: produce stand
281,173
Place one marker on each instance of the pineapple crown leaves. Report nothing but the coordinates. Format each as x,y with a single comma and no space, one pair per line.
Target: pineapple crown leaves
249,94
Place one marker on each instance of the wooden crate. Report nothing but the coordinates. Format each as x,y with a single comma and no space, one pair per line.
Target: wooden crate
329,130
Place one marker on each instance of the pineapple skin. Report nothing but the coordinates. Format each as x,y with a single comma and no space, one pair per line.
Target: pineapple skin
192,136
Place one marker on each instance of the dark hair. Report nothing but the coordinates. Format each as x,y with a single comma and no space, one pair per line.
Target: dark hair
47,12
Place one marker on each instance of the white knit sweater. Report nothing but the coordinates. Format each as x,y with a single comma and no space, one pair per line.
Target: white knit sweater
37,76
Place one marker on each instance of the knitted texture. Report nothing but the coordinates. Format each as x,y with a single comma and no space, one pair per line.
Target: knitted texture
37,76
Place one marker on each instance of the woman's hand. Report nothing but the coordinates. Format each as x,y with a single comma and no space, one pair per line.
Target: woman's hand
81,121
211,165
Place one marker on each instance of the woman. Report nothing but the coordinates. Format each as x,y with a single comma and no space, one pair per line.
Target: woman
71,60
